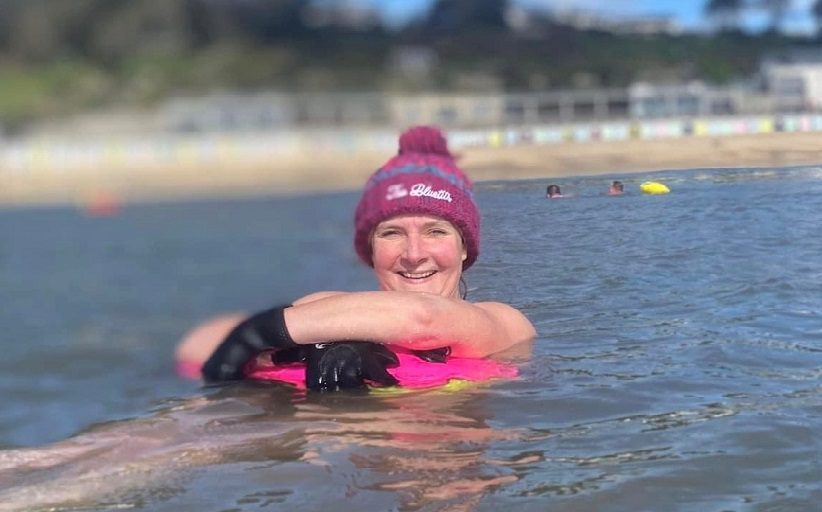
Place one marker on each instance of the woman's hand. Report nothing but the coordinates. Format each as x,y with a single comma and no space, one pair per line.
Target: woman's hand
260,332
348,365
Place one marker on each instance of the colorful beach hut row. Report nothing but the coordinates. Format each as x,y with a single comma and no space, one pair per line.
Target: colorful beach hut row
216,151
654,129
104,156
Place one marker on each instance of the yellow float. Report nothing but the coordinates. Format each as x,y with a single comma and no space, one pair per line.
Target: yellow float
654,187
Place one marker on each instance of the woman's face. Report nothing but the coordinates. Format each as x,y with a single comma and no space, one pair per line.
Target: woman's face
418,253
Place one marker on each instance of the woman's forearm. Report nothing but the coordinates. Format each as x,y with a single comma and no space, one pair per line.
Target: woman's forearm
382,317
410,320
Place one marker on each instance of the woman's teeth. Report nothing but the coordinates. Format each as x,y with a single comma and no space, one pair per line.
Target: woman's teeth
417,275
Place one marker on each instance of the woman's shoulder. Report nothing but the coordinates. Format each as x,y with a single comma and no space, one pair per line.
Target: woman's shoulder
498,307
514,320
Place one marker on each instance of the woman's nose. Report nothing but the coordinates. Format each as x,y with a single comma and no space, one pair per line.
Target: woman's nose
414,249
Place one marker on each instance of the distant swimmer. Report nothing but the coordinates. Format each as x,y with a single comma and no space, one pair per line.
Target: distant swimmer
616,188
553,192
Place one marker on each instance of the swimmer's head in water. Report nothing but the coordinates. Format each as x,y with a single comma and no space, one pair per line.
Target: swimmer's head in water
422,179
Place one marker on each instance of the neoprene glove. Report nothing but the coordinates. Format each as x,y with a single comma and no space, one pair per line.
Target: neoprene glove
348,365
262,331
434,355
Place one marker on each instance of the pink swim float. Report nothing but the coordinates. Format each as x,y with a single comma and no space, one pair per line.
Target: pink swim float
412,371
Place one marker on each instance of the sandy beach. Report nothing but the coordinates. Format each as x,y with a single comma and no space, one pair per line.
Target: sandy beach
324,171
594,158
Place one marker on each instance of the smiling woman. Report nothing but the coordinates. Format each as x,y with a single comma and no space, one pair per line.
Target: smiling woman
417,226
418,253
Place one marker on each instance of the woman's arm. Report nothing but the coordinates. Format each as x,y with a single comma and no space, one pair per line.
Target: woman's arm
199,343
411,320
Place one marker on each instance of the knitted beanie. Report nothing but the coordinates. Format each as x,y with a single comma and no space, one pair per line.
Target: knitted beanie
422,179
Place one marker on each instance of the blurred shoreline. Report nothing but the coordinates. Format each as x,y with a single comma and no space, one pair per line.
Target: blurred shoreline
326,171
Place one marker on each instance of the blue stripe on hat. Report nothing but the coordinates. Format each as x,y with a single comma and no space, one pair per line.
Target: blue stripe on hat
384,174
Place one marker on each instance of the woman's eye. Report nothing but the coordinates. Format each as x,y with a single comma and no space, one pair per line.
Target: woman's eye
388,233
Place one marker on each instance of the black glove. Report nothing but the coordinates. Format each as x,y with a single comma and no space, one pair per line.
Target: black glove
260,332
348,365
298,354
435,355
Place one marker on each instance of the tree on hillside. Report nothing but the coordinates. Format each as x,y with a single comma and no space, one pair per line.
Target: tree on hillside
816,11
8,10
777,10
724,14
97,30
106,31
270,20
462,14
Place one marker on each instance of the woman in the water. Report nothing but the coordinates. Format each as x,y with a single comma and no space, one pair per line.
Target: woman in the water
616,188
553,192
417,226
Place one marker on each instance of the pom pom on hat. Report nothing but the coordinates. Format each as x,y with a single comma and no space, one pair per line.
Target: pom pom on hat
424,139
422,179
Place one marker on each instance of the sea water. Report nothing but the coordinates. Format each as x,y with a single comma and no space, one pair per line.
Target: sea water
677,365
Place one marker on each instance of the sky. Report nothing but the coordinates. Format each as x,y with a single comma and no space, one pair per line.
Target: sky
687,13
